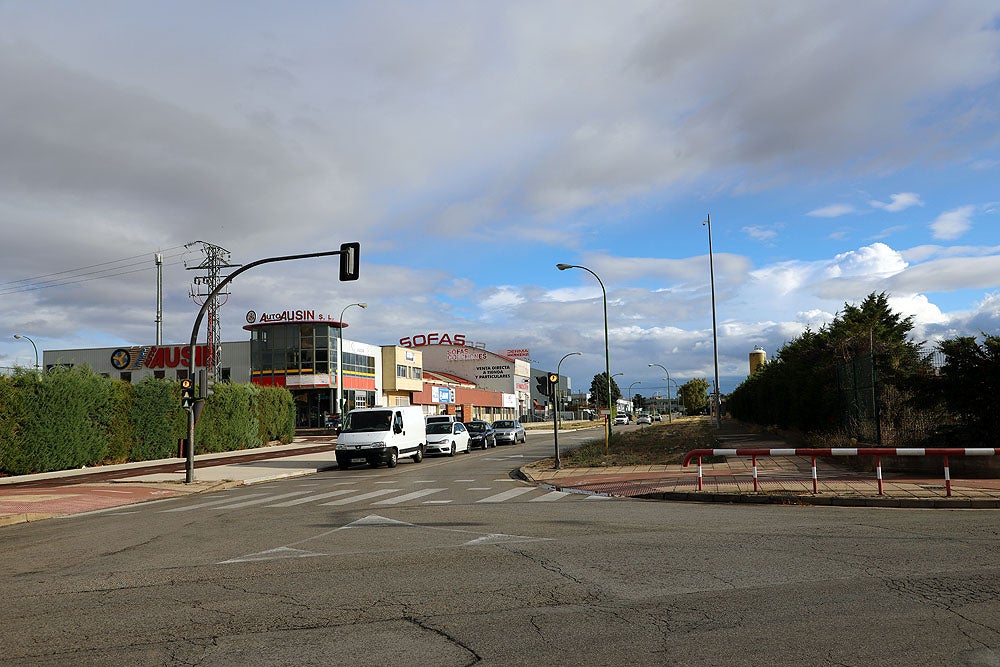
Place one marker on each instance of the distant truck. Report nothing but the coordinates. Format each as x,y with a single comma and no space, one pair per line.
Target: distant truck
437,419
381,435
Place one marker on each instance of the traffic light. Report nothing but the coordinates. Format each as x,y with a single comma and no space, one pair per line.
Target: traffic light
349,256
543,385
187,393
206,383
553,383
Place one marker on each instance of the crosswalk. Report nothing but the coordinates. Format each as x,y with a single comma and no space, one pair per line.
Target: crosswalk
462,493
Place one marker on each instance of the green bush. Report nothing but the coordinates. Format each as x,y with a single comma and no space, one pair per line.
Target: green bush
275,414
72,417
122,427
159,420
68,416
229,420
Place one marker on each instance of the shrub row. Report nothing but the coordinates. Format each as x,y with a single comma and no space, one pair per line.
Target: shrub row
73,417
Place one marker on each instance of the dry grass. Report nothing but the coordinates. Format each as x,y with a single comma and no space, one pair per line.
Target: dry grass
662,443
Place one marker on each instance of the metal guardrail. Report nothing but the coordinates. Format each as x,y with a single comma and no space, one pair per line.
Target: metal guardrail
814,452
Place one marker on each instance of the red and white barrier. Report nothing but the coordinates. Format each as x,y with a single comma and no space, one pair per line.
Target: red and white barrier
877,452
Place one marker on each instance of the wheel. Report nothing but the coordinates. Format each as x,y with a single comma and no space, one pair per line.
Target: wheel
393,457
419,456
452,452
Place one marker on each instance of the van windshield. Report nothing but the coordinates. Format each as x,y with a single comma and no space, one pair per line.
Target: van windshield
359,422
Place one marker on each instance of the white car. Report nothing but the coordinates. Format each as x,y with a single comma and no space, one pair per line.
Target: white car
621,419
447,438
509,430
644,419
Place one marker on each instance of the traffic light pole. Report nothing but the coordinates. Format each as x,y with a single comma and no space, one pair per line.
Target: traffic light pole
349,259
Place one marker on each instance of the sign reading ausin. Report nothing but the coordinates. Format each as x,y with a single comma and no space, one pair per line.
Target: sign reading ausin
299,315
153,356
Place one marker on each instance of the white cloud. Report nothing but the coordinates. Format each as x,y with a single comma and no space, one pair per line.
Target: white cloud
760,233
832,211
952,224
900,202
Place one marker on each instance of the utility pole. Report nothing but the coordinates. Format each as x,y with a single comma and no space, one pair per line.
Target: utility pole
216,259
159,298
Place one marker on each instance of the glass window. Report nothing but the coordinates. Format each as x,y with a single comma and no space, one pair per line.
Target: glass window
400,371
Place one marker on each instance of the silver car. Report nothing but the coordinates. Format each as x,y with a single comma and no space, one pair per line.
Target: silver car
509,431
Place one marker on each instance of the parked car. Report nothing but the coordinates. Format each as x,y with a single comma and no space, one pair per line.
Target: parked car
481,434
431,419
657,418
621,419
447,438
509,431
644,419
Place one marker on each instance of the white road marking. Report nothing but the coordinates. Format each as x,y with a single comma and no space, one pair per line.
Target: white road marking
551,495
209,504
507,495
363,496
258,501
407,496
309,499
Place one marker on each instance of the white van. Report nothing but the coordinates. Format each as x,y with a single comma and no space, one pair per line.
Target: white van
386,434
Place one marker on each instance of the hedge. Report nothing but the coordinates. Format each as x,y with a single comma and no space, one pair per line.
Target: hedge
73,417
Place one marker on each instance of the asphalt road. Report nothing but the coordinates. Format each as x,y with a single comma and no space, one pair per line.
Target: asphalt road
454,562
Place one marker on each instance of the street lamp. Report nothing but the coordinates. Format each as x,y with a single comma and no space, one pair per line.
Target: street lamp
609,389
632,407
607,356
555,417
670,412
715,336
341,402
19,337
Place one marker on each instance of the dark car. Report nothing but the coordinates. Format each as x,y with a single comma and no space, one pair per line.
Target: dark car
481,434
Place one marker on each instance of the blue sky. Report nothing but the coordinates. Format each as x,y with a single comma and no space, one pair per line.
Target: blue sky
840,148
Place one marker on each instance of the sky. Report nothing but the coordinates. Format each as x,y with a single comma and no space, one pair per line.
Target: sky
838,148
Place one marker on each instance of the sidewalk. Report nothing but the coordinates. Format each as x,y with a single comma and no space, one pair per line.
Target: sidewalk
47,495
780,479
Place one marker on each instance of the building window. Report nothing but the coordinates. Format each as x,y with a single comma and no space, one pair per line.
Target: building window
418,373
126,376
400,371
160,375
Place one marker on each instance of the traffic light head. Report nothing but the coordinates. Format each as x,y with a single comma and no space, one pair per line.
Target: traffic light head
187,393
542,384
349,256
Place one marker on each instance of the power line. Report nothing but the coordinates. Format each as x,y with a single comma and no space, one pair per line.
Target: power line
79,275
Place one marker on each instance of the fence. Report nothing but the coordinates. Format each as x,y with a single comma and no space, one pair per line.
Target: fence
814,452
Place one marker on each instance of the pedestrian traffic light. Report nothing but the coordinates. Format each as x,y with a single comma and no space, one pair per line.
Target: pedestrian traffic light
206,383
543,385
553,383
349,256
187,393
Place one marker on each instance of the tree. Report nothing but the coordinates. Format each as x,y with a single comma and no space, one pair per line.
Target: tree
599,391
970,387
694,394
638,401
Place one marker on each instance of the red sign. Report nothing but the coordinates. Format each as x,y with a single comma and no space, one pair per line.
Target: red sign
432,339
172,357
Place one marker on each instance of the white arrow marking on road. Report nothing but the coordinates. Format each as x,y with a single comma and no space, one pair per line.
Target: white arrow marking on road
274,554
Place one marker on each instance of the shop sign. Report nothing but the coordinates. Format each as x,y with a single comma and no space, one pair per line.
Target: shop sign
521,353
442,395
298,315
154,356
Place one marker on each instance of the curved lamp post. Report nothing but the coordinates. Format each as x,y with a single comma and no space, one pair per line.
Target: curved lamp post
19,337
555,416
715,336
670,412
340,360
630,405
609,393
607,356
